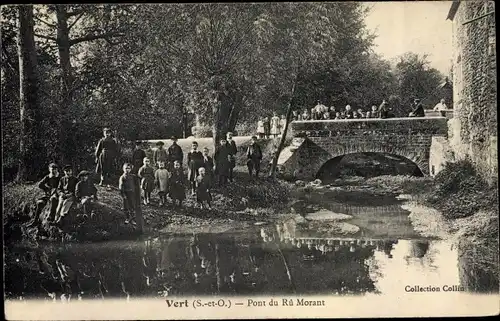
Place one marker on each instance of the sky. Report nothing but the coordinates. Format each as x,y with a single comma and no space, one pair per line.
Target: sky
420,27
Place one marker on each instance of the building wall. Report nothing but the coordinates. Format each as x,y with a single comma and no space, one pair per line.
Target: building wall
473,130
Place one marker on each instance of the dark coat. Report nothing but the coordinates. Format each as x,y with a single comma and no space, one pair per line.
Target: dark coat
203,185
177,183
49,184
195,161
222,160
67,185
106,152
175,153
254,152
137,159
232,152
418,110
86,188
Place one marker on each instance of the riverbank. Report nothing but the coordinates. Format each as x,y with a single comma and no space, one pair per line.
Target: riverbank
244,202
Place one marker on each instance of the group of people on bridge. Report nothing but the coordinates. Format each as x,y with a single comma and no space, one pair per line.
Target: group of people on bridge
322,112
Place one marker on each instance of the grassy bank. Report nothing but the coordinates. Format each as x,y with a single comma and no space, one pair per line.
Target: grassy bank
239,204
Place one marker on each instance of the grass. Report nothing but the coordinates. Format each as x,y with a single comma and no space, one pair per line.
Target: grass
244,201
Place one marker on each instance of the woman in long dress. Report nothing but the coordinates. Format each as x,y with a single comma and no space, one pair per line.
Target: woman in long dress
282,124
105,155
260,129
275,125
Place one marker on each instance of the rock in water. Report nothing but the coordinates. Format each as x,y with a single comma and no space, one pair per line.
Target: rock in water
330,228
300,183
317,182
326,215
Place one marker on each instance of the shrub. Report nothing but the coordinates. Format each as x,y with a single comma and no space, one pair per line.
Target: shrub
460,191
201,131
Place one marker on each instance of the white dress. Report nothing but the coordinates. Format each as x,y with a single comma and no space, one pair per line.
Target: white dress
260,127
275,124
282,125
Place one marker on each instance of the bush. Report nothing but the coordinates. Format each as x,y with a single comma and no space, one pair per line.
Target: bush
201,131
460,191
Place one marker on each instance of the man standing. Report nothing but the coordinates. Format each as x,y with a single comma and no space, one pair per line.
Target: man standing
159,155
174,153
441,107
232,154
222,162
254,155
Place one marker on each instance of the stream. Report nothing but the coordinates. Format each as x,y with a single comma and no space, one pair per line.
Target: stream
331,242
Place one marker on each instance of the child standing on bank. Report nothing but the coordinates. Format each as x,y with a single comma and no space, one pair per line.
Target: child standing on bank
147,175
195,159
137,157
203,185
161,182
177,184
128,184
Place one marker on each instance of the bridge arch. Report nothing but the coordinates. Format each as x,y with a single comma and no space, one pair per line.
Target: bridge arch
330,168
317,142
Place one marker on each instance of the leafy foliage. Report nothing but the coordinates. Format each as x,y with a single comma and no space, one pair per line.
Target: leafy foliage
460,191
140,68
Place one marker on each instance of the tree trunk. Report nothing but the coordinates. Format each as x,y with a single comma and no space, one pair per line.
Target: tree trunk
216,131
272,171
235,112
63,45
29,146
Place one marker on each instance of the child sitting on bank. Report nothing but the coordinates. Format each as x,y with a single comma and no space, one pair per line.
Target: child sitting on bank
147,175
161,182
177,184
85,192
128,184
66,190
203,185
49,186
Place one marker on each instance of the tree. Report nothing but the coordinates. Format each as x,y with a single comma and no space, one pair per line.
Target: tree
415,78
316,36
75,25
30,116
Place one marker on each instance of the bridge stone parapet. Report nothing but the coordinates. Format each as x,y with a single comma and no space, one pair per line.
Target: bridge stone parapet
323,140
391,126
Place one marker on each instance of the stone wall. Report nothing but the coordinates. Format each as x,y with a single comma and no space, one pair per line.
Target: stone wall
326,140
474,126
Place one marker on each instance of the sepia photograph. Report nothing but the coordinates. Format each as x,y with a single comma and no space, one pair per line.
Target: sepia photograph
249,160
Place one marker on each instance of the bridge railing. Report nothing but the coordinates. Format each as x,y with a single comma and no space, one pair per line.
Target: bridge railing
370,126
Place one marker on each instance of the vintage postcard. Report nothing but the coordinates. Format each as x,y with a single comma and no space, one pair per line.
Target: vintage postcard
249,160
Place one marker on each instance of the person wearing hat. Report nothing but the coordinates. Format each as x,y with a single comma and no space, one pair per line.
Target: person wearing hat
105,154
254,155
137,156
66,190
85,191
49,186
174,153
159,154
417,109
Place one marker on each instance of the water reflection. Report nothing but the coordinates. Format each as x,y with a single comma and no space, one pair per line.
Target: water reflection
275,259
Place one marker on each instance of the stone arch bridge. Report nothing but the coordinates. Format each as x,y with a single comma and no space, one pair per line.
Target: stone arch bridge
318,141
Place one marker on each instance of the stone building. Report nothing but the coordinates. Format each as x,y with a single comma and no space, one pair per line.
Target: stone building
473,128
